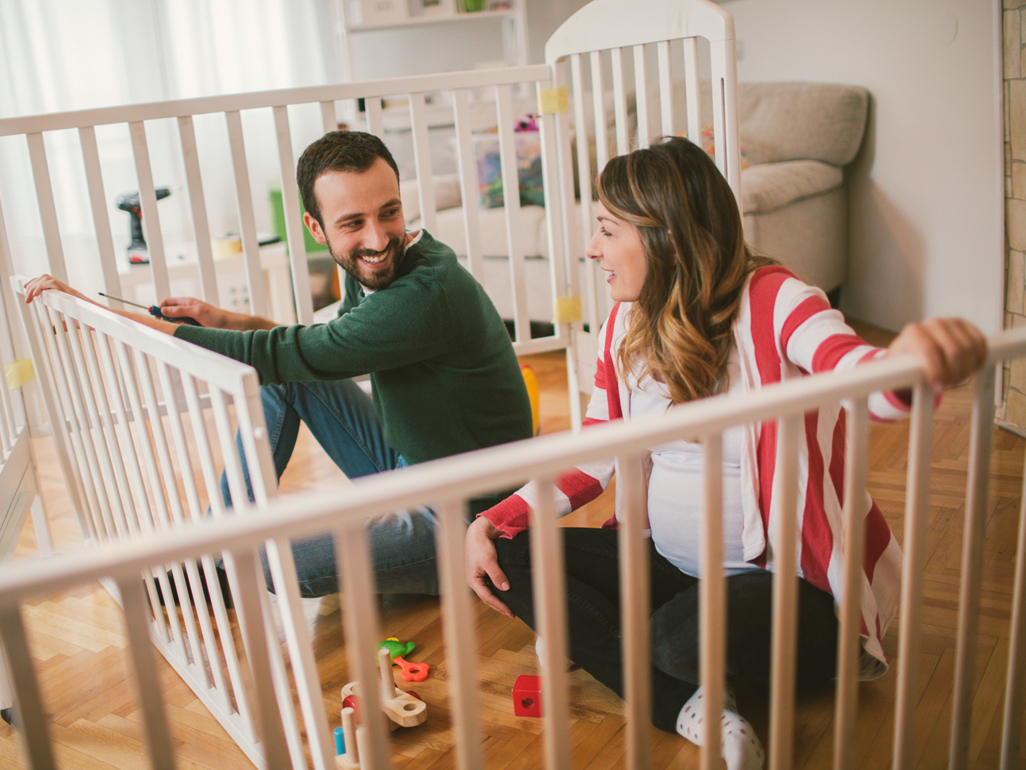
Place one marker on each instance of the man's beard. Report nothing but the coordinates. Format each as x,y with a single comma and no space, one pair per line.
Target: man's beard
370,279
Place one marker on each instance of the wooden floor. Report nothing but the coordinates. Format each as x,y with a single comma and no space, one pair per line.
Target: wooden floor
79,642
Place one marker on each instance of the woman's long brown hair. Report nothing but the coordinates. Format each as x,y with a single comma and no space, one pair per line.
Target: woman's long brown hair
679,330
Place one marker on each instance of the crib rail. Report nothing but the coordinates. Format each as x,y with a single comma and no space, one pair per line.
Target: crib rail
143,424
205,146
448,484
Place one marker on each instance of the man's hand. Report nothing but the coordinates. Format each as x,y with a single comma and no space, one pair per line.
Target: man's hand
481,562
210,316
37,286
951,349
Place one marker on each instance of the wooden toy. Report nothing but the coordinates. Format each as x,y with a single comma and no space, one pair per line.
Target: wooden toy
527,696
353,737
404,709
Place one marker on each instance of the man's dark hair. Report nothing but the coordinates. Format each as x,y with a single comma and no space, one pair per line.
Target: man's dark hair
349,151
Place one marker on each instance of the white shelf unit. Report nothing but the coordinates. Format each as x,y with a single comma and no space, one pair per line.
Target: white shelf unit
513,22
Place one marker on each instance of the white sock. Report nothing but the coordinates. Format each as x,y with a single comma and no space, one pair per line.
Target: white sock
739,744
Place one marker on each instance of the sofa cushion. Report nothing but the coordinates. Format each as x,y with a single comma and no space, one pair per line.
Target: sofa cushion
769,186
802,121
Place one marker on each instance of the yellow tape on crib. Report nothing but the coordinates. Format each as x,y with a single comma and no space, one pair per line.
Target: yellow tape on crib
567,310
19,373
553,101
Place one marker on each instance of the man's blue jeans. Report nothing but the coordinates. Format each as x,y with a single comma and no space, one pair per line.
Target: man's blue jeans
341,417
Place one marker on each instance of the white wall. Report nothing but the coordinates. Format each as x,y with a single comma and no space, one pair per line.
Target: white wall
927,232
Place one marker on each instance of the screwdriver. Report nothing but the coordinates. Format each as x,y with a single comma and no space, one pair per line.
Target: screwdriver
154,311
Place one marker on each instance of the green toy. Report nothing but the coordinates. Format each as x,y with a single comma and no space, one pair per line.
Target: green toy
411,672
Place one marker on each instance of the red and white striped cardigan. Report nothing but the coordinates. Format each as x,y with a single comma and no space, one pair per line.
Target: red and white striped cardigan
784,329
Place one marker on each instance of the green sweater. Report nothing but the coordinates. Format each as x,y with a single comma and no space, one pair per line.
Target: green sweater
443,372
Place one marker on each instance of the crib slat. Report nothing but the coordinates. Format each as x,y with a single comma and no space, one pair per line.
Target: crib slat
226,439
328,119
375,117
916,507
70,423
279,677
594,317
692,90
785,591
150,214
555,199
458,625
564,266
151,408
468,182
280,559
511,208
725,121
362,632
304,667
98,199
1015,689
665,70
167,488
100,397
197,202
42,356
974,533
712,601
286,714
641,96
422,161
636,609
126,379
34,721
178,518
47,208
549,595
293,220
74,374
247,219
620,102
247,582
146,674
598,89
200,447
856,448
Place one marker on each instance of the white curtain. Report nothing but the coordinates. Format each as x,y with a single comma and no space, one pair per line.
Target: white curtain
57,55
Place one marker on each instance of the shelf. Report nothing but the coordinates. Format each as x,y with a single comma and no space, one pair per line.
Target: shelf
451,18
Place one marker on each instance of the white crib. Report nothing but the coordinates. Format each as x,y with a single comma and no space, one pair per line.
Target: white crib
119,398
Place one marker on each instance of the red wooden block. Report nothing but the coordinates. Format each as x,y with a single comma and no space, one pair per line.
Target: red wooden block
527,696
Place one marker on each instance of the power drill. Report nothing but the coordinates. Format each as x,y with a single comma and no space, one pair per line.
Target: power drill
138,253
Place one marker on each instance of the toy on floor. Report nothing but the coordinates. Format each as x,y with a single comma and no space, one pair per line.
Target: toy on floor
527,696
411,672
533,394
405,709
352,739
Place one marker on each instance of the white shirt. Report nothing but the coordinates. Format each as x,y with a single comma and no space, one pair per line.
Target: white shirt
676,488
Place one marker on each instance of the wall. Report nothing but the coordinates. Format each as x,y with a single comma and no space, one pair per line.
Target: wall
926,232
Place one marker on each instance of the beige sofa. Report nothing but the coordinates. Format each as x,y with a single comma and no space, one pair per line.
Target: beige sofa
796,139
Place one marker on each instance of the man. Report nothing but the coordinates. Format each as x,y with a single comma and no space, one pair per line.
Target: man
443,372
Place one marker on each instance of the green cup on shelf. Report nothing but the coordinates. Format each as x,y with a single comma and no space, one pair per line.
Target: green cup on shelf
473,6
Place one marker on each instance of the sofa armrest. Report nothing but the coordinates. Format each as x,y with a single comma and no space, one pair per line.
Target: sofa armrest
770,186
